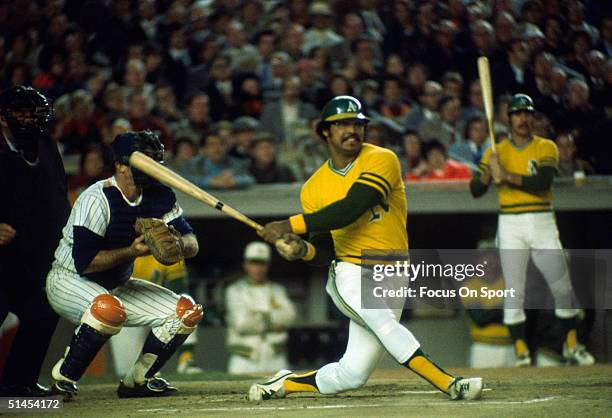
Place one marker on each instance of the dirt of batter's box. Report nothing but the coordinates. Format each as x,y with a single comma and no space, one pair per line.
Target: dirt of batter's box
538,392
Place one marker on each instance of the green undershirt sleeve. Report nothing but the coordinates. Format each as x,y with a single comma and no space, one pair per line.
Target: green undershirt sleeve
539,182
324,245
344,212
477,188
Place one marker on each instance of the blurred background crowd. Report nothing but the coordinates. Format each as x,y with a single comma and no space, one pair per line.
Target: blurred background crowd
235,87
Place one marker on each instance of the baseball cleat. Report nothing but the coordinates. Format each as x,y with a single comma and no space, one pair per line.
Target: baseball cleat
523,360
153,387
578,355
273,388
67,390
34,390
468,389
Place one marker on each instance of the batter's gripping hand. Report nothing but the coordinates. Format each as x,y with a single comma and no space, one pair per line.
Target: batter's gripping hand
291,247
164,242
273,231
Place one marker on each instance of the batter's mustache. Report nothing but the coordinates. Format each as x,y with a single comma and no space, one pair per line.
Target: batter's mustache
351,136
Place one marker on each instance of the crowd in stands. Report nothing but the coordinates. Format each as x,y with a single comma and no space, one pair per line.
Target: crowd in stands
234,87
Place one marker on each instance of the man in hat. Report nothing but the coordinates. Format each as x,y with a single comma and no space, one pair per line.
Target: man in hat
258,315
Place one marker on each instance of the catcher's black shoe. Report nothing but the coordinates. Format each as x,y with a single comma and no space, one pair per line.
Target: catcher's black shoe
153,387
67,390
34,390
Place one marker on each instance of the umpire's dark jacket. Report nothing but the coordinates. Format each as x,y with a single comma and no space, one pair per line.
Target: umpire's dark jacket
33,200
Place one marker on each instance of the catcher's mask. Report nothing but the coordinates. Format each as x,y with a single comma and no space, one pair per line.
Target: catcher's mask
27,113
340,108
146,142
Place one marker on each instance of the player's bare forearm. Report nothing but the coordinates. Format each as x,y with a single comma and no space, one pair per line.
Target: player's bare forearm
107,259
512,178
191,246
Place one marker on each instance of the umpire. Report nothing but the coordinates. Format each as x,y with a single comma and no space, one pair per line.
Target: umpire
33,211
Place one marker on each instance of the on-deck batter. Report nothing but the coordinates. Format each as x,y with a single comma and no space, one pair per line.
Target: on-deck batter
523,168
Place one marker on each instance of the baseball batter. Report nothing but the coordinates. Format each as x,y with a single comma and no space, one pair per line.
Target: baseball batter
523,169
358,195
90,281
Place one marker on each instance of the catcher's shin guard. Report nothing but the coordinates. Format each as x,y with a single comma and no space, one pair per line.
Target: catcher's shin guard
104,318
163,341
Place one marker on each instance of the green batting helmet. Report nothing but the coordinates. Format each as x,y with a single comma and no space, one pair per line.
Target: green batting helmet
520,103
340,108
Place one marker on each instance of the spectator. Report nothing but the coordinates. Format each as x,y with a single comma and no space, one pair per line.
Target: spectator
91,169
446,129
264,166
377,134
452,83
580,45
427,111
247,97
402,36
509,76
140,117
242,55
219,87
481,43
504,29
309,153
166,108
475,107
265,41
441,56
538,80
83,128
542,125
393,104
580,114
411,160
135,81
184,151
605,42
177,59
243,132
281,67
212,168
553,35
259,313
472,148
293,41
282,117
575,18
569,164
439,166
198,118
321,34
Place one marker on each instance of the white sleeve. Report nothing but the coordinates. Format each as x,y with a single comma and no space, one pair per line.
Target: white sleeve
239,316
283,311
174,213
92,212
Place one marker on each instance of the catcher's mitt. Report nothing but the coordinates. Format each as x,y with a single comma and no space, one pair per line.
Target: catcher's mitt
164,242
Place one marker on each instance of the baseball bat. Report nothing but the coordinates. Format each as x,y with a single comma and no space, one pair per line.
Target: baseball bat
484,74
175,181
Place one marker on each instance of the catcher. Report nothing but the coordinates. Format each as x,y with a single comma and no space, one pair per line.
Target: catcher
113,222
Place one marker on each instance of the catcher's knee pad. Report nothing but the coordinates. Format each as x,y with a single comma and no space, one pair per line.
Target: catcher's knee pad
189,312
106,314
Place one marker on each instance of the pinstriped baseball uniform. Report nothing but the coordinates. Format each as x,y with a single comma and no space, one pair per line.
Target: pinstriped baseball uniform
102,219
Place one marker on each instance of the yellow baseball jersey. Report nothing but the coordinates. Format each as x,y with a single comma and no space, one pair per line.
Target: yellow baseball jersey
148,268
526,161
383,227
